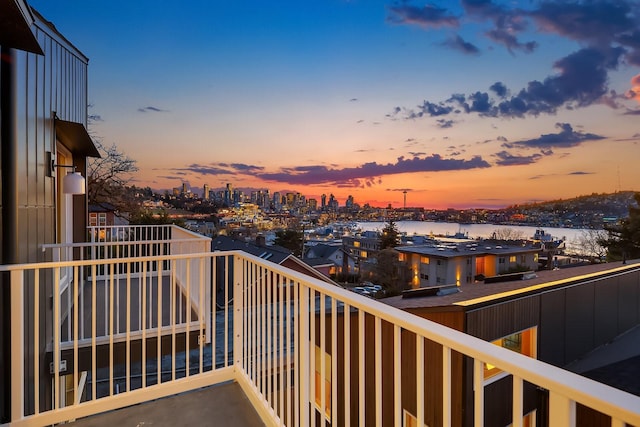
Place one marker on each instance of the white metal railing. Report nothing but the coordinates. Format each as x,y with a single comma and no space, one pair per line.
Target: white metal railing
305,352
122,242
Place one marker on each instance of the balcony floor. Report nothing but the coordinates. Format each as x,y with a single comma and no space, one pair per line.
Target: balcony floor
224,404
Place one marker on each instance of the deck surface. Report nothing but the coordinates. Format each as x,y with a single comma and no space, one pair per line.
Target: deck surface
219,405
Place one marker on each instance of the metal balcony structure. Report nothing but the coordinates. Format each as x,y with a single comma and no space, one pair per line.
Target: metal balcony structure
131,317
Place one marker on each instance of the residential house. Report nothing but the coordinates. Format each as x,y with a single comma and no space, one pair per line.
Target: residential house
462,263
330,259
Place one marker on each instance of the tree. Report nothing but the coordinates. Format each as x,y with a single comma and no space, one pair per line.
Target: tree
290,239
390,236
623,240
588,244
506,233
108,176
389,272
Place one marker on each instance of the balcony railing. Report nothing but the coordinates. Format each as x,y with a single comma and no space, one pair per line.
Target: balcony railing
304,352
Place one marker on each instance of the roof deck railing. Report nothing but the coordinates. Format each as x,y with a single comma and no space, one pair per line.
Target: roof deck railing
304,352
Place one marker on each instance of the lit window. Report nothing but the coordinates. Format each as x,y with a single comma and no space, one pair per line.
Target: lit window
356,244
512,259
424,259
524,342
327,382
402,257
93,219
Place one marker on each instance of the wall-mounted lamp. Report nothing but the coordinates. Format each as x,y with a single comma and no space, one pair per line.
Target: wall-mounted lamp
73,182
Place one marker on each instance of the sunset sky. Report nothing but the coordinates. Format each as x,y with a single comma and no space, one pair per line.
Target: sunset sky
476,103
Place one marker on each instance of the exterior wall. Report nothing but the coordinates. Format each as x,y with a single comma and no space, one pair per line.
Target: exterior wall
41,85
55,82
577,319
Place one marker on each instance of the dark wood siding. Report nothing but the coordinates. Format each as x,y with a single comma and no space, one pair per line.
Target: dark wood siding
577,319
497,321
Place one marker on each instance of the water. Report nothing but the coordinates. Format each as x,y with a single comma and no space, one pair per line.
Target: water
472,230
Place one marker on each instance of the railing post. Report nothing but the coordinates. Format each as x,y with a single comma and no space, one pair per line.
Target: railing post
562,411
304,343
17,345
239,286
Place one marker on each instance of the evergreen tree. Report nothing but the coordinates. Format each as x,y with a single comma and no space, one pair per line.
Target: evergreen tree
390,235
623,240
290,239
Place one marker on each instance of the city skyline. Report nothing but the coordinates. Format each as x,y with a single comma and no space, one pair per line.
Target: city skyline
467,104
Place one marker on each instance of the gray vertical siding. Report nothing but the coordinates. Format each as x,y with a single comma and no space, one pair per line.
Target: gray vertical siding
56,82
44,84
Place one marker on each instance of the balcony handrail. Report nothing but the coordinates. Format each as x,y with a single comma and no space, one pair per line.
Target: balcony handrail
572,386
46,246
254,275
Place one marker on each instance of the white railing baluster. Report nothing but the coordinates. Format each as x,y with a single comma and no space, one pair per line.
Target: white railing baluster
311,345
36,340
562,410
334,362
446,386
94,367
420,382
56,337
142,284
517,401
281,347
478,393
112,313
347,364
397,375
361,363
297,354
304,341
378,369
323,368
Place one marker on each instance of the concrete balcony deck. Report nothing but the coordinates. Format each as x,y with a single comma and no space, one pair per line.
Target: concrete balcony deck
223,404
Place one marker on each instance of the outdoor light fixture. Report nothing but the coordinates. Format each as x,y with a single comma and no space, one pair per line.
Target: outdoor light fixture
73,182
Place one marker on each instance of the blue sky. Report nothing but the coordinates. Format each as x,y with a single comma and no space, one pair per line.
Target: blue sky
476,103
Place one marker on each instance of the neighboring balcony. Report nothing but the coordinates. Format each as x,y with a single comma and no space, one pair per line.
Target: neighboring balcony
143,313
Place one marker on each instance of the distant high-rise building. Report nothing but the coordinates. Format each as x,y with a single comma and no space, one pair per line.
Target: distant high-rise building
205,192
184,188
349,202
323,201
313,204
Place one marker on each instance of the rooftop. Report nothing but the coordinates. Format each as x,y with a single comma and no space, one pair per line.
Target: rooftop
482,293
466,248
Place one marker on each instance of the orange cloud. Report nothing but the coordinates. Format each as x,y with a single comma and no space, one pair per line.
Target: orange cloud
634,93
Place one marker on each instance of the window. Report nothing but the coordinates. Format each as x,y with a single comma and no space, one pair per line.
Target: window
327,382
501,260
424,276
512,259
102,219
424,259
523,259
356,244
402,257
93,219
523,342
